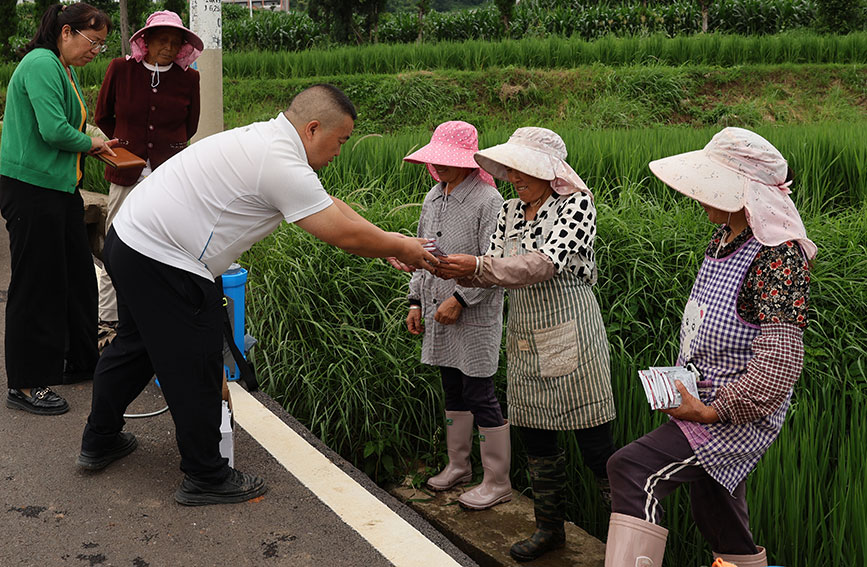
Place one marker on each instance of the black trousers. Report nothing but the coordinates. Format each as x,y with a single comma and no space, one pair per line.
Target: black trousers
170,322
595,443
51,306
468,393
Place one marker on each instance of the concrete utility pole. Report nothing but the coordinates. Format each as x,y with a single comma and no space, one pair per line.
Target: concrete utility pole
206,21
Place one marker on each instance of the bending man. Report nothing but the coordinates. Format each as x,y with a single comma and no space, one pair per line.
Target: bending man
183,226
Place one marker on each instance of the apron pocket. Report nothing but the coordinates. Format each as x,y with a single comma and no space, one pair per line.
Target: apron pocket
557,347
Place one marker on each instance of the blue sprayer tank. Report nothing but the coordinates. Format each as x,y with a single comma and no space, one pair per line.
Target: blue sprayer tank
234,280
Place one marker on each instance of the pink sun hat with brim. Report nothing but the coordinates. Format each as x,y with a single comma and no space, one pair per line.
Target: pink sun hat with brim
538,152
188,53
452,144
738,169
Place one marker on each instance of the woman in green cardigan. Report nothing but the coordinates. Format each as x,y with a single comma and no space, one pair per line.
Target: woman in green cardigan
51,306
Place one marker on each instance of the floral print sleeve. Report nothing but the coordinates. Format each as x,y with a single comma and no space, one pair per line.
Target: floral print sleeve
777,287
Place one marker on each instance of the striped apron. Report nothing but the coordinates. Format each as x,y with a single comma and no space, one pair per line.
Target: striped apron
557,371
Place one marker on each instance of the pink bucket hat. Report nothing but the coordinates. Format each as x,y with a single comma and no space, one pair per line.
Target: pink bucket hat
188,53
452,144
738,169
535,151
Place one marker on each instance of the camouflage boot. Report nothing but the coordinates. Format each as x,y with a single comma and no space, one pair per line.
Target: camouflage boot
549,503
604,491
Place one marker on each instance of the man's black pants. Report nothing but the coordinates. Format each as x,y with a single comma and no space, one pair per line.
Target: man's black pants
170,322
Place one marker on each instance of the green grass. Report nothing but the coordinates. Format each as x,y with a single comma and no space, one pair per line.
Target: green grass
554,53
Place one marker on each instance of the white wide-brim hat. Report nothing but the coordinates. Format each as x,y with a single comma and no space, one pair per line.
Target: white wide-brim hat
720,174
538,152
738,169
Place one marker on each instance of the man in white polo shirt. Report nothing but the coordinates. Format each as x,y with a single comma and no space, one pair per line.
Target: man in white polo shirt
182,227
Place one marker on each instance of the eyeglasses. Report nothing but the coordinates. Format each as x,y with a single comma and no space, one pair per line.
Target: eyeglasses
97,46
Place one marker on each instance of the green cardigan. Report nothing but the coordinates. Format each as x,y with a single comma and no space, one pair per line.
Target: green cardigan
41,142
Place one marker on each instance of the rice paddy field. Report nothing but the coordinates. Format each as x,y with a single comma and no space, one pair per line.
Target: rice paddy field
336,353
333,347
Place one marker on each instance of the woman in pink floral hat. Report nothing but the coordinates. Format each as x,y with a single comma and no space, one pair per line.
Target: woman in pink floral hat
149,101
743,329
462,326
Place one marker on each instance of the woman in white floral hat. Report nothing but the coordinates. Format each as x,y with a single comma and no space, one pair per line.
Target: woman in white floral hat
557,350
743,329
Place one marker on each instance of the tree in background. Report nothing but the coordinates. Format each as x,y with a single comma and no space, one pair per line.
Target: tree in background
840,16
335,15
507,10
423,8
705,4
370,10
178,7
41,6
138,11
8,27
338,16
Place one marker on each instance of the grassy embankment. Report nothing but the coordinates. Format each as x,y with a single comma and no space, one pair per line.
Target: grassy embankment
333,346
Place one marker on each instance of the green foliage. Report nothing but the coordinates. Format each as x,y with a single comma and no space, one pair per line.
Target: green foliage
551,53
42,5
841,16
8,28
137,12
280,31
179,7
363,21
347,21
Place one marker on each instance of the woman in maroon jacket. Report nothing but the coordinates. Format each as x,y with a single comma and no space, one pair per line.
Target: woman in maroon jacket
149,101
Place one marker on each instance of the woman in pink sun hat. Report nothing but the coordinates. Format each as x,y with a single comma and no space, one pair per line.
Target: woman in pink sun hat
462,326
150,102
742,328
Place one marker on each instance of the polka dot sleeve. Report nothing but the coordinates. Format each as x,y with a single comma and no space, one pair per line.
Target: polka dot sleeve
498,238
569,245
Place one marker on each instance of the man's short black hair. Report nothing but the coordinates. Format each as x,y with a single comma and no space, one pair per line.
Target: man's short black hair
338,97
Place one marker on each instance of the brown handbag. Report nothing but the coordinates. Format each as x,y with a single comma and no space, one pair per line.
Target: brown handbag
124,159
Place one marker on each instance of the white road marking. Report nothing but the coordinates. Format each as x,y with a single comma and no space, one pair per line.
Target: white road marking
391,535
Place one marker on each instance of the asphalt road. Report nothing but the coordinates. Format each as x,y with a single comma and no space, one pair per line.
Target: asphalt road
54,514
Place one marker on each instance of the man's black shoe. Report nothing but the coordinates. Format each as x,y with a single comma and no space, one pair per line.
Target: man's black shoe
41,401
238,487
124,444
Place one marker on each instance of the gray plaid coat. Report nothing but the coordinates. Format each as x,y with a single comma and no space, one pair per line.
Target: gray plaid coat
462,223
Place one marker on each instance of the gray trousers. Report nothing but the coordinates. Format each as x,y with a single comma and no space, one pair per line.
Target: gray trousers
117,194
650,468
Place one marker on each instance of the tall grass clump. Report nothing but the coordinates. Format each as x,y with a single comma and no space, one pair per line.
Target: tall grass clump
829,160
530,53
334,349
550,53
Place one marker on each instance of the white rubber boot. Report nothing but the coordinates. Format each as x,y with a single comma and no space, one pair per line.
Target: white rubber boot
459,441
496,449
760,559
632,542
